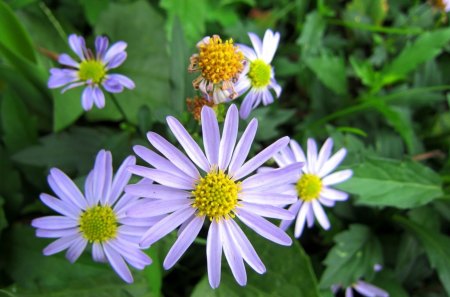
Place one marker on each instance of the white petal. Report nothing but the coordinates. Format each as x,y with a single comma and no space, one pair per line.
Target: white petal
230,129
320,215
337,177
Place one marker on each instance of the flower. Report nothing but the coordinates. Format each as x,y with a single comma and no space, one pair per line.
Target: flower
92,71
98,217
313,182
220,64
223,193
258,76
442,5
364,289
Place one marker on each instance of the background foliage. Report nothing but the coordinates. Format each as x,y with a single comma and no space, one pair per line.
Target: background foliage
373,74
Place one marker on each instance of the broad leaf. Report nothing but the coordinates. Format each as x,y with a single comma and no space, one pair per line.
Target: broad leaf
386,182
330,70
354,255
437,247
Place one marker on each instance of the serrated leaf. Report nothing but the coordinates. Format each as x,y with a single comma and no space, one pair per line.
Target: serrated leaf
289,273
386,182
330,70
425,47
312,33
437,247
354,255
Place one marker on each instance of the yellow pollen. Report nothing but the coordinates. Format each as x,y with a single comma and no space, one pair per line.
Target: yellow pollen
220,61
98,224
92,70
309,187
216,195
259,73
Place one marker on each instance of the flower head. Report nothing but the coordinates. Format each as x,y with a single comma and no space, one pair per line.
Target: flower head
98,217
258,76
220,64
314,182
214,186
363,288
442,5
92,70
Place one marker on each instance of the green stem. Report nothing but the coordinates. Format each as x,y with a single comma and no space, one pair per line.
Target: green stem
367,103
48,13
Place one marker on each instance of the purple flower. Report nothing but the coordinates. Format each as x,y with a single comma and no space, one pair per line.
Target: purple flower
97,217
214,186
314,182
258,76
92,70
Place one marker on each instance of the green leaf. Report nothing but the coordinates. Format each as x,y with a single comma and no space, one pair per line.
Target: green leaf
427,46
36,275
67,107
192,15
354,255
437,247
330,70
93,9
19,127
289,273
14,36
3,221
374,10
148,64
387,281
386,182
364,70
312,33
73,150
269,119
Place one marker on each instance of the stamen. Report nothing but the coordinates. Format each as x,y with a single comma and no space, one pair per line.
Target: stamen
92,70
98,224
309,187
259,73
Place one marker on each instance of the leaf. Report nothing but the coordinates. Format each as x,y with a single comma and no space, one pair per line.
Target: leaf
365,72
269,119
3,221
148,64
330,70
427,46
437,248
387,281
289,273
10,184
375,10
386,182
19,127
312,33
67,108
353,256
93,9
74,150
54,276
14,36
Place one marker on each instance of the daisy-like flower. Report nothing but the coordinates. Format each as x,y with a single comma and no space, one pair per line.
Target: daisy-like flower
92,70
98,217
223,192
258,76
363,288
314,182
220,64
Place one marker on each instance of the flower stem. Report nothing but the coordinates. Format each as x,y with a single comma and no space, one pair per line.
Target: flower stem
121,111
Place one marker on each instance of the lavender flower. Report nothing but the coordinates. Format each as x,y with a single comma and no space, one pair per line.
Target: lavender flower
92,70
258,76
363,288
314,182
97,217
224,192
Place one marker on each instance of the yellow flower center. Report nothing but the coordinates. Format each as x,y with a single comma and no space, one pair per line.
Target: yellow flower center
98,224
92,70
220,61
309,187
259,73
216,195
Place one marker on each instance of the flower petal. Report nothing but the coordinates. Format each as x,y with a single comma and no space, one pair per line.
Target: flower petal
158,207
56,233
214,254
114,50
276,177
117,263
191,148
99,97
324,154
264,228
87,98
165,226
233,255
269,45
337,177
245,247
312,156
243,147
257,45
300,222
65,188
60,244
333,194
320,215
121,179
116,61
211,135
294,208
248,52
184,240
97,253
260,158
102,175
268,211
101,45
230,129
173,154
54,223
76,249
369,290
267,198
332,162
156,191
66,60
78,45
162,177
